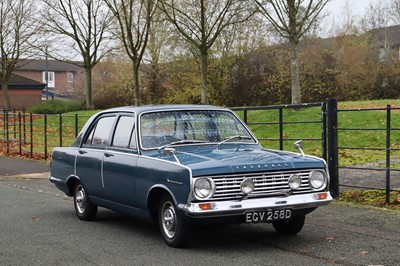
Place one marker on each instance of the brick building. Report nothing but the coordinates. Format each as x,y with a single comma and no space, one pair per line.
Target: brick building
64,78
23,92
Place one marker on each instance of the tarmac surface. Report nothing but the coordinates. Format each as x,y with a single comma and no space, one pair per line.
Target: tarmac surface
40,228
13,166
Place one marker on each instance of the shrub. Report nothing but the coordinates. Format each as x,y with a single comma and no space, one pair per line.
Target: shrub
57,107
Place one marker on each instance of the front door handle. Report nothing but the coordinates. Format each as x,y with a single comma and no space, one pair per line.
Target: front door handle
108,155
82,152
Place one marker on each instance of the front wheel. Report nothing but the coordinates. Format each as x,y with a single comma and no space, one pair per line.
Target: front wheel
84,208
290,227
174,230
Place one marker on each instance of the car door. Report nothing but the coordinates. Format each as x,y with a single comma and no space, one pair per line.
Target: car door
119,163
90,155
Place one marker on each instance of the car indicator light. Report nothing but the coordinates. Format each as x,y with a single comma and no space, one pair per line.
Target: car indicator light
320,196
206,206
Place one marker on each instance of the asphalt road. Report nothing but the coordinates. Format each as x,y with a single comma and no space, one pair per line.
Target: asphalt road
10,166
39,227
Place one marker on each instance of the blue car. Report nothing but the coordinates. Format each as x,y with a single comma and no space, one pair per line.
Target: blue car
185,165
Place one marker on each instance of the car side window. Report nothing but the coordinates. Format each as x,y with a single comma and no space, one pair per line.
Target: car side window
123,133
100,133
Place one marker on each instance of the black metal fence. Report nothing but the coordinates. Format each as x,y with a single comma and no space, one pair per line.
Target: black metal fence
276,130
34,135
386,145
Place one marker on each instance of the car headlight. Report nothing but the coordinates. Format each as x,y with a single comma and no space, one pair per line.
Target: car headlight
294,182
318,179
247,186
204,188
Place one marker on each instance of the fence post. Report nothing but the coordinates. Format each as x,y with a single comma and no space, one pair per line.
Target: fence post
323,114
388,118
76,125
245,116
7,132
19,133
45,136
333,162
24,123
15,124
31,132
61,130
4,123
280,129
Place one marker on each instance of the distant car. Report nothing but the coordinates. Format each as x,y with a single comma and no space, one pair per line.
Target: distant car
185,165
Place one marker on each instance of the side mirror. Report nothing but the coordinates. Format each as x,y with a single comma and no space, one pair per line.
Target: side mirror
171,151
299,145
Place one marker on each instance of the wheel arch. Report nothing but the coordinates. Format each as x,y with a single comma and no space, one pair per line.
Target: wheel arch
153,199
71,183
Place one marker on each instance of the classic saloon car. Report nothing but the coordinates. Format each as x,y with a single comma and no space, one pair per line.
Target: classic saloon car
185,165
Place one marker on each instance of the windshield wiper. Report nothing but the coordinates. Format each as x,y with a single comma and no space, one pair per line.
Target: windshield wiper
233,137
183,141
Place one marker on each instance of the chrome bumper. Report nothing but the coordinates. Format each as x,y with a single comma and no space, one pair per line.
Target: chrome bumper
240,207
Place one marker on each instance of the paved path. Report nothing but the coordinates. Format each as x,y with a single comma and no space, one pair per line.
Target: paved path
10,166
40,228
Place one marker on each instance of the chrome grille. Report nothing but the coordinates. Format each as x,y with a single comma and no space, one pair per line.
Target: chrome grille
266,184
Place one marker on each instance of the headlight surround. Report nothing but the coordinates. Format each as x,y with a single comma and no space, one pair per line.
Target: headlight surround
318,179
247,186
295,182
204,188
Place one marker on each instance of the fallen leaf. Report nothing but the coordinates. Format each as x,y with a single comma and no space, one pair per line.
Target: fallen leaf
330,261
330,239
35,218
364,252
306,251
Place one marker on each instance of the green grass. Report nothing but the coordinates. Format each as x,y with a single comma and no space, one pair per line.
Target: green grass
371,197
346,138
38,127
267,132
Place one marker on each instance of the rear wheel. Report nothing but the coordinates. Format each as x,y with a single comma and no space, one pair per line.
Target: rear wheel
290,227
174,230
84,208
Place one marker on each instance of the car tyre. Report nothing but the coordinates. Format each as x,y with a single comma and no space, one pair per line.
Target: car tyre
290,227
174,230
84,208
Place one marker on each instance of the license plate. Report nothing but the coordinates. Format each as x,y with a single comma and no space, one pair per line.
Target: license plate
268,216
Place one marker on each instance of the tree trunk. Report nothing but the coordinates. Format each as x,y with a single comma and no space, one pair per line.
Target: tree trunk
136,83
204,66
6,96
294,73
88,89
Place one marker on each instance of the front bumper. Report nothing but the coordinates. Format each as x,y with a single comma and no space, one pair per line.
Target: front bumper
240,207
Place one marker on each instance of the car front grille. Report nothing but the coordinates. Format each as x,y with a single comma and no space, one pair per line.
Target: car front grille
267,184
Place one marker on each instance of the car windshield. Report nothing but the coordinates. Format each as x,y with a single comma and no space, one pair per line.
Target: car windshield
159,129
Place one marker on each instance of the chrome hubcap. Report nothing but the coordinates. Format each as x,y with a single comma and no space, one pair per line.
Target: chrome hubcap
169,220
80,199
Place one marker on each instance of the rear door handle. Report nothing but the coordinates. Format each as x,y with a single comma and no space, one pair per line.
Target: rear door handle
108,155
82,152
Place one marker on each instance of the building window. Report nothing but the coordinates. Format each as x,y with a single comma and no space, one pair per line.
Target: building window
70,77
51,79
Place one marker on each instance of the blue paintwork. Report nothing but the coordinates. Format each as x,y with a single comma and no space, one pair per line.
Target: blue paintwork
122,179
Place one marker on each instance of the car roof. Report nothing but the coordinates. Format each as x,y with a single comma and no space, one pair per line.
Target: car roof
153,108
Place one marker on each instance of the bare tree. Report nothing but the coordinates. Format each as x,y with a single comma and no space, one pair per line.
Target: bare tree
82,27
18,32
292,19
201,23
133,19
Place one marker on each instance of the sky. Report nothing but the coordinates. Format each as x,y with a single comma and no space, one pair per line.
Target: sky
340,12
357,7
